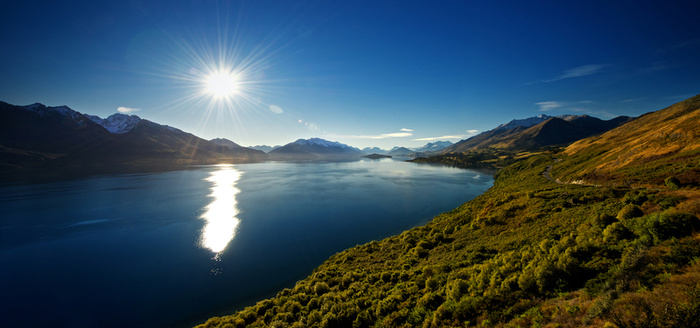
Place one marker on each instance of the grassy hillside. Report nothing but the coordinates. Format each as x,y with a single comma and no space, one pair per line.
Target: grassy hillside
528,252
646,151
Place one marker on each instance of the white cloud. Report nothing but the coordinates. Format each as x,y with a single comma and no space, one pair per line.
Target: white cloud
546,106
579,71
470,133
406,130
440,138
575,107
549,105
383,135
389,135
584,70
275,109
126,110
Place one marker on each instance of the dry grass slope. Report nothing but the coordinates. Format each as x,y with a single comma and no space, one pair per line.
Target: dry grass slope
642,152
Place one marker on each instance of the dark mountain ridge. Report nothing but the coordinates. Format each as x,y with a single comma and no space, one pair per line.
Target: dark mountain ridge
550,132
37,139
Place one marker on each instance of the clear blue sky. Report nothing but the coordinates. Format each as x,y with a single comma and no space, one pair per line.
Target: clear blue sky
365,73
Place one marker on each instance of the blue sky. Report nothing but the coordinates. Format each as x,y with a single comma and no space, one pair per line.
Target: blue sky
365,73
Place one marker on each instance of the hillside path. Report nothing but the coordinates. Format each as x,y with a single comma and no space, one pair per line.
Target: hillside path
547,175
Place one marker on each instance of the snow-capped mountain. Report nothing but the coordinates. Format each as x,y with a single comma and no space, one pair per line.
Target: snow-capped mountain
434,146
42,110
526,122
374,150
315,149
324,143
117,123
264,148
62,111
539,131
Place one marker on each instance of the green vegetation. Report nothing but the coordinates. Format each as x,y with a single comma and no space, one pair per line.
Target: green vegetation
529,251
487,158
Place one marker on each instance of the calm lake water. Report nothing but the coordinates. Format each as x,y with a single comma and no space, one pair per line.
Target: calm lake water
174,248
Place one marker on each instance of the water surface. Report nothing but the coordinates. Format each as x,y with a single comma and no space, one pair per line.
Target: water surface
171,249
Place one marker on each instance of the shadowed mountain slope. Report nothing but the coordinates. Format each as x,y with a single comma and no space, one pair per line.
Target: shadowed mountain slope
37,140
553,131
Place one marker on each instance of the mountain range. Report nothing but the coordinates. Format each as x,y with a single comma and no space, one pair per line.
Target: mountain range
536,132
404,151
37,138
315,149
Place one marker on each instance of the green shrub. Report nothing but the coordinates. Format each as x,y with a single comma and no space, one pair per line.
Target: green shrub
457,288
672,224
321,288
629,211
672,183
617,232
603,220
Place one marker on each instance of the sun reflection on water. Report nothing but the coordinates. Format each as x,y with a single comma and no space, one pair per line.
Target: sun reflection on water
220,214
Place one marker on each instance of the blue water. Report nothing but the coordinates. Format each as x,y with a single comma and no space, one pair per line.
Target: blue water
173,248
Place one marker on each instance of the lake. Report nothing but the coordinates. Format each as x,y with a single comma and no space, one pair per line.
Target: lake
174,248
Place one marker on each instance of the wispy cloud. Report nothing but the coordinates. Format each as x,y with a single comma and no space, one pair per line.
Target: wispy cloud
127,110
546,106
470,133
440,138
403,134
571,107
406,130
579,71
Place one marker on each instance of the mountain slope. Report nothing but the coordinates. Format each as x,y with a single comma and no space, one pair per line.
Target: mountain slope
537,132
647,150
528,252
400,151
56,130
225,142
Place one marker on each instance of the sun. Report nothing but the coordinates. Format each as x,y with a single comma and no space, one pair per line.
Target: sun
221,84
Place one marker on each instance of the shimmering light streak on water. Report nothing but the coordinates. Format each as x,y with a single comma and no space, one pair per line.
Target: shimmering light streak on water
220,214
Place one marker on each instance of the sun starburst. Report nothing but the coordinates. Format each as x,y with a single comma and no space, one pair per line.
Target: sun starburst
221,84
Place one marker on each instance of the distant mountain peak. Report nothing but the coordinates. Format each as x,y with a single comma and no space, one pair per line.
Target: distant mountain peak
117,123
42,109
314,149
434,146
226,143
526,122
322,142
